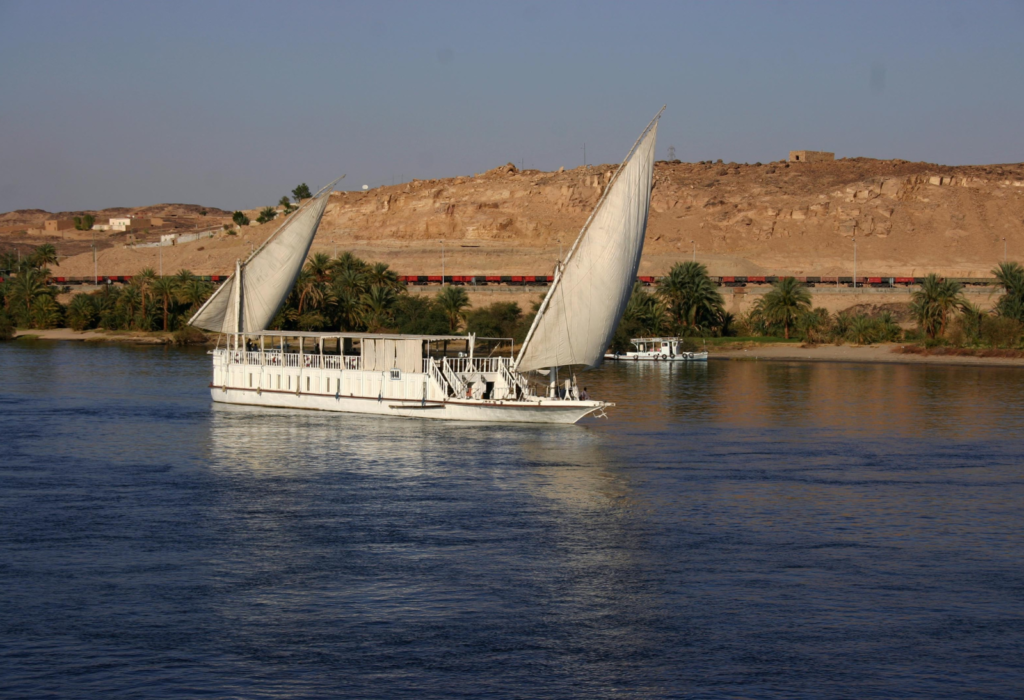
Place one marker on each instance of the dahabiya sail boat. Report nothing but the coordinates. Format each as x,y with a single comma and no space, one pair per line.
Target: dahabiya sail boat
451,377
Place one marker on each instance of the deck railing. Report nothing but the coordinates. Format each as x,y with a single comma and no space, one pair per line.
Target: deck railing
290,359
478,364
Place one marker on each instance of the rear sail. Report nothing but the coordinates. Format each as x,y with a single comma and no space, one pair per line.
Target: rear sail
582,309
248,301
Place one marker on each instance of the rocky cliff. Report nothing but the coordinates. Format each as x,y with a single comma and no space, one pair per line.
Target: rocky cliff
776,218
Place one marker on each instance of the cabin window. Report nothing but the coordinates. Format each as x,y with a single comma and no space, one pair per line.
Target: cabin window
307,383
289,382
279,381
250,380
396,373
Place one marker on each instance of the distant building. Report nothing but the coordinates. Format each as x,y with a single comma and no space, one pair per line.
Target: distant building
810,156
128,222
58,225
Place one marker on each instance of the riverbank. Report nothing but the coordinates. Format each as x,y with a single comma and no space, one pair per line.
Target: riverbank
98,336
890,353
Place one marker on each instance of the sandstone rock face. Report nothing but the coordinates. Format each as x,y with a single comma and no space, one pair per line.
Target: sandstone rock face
782,218
799,219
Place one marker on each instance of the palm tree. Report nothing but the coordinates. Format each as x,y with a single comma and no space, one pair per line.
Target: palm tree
381,276
193,293
9,261
932,303
787,301
347,261
644,314
888,329
691,297
81,312
130,301
972,317
143,282
28,286
862,329
1011,279
350,279
378,305
319,265
183,277
164,288
46,312
44,255
452,301
308,288
347,307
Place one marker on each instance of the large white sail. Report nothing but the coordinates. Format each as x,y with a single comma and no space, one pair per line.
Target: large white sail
248,301
582,309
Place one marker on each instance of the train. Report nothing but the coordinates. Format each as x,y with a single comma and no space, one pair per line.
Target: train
545,280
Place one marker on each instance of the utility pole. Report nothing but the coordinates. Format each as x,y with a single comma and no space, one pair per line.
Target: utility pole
855,262
161,251
694,250
442,262
1004,249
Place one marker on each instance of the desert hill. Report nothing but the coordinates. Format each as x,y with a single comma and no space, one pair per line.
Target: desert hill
776,218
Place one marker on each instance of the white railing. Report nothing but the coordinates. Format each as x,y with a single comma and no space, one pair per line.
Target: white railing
275,358
478,364
454,381
431,368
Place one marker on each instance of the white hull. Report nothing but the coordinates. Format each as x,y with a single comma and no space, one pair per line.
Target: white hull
548,411
319,383
655,357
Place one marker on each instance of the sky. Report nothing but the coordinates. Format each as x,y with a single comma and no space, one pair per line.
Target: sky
232,104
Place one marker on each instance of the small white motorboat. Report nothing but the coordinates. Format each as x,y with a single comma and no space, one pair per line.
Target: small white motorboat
658,350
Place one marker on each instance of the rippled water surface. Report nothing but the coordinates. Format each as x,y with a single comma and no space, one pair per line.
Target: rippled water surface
740,529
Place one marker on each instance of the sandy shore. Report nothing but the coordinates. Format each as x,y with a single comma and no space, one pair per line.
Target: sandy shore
888,353
135,338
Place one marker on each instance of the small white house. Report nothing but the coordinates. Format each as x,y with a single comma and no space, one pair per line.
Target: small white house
120,224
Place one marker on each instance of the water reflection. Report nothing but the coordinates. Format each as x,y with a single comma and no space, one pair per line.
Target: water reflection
871,400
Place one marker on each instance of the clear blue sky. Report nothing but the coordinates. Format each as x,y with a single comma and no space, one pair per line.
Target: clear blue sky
231,104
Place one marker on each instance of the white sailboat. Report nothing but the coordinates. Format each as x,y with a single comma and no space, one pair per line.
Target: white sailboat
441,377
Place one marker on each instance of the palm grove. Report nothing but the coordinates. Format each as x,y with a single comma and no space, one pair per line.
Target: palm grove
345,293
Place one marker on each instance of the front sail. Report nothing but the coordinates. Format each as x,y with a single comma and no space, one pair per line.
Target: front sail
582,309
248,301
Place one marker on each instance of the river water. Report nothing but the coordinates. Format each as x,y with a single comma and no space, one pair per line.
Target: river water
741,529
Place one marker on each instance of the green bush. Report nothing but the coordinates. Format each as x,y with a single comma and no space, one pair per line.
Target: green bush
502,319
1001,331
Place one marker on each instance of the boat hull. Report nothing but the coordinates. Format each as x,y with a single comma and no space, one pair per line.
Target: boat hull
548,411
651,357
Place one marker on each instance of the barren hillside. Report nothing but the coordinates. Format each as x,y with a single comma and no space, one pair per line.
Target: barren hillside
800,218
